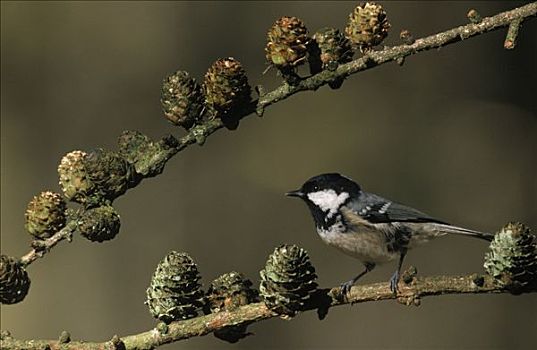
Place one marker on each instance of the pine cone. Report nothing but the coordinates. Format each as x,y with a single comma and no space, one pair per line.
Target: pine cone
143,153
334,47
174,292
74,180
288,280
99,224
229,291
368,25
132,144
110,174
226,86
182,99
287,43
512,259
226,293
14,281
45,214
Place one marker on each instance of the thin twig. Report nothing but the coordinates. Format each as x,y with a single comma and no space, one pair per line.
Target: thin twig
512,34
409,294
41,247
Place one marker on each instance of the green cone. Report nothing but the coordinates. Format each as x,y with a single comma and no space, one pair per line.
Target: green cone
512,259
288,280
174,292
74,180
287,43
147,156
45,214
226,86
367,26
182,99
99,224
110,174
334,47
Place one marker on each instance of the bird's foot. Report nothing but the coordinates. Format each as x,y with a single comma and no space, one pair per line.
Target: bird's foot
346,288
394,280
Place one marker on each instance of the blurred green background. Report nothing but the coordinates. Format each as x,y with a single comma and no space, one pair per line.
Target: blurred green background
452,132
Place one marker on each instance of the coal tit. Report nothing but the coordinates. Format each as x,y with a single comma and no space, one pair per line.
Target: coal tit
368,227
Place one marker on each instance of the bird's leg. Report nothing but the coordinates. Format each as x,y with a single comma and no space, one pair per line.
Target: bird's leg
394,280
346,287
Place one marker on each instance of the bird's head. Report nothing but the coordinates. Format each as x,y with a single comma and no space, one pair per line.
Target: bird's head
326,193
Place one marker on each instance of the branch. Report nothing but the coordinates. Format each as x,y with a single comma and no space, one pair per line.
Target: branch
41,247
368,61
512,34
199,133
410,293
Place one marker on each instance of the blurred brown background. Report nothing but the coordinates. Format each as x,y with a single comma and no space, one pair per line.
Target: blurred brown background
452,132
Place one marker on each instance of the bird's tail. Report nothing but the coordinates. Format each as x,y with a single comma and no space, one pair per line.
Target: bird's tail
465,232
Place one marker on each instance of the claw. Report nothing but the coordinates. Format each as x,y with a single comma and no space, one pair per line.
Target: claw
395,277
394,280
346,288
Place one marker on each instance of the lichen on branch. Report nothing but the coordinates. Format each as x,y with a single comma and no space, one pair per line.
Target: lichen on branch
370,60
409,294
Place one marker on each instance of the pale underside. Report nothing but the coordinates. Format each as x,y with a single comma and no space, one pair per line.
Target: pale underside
369,242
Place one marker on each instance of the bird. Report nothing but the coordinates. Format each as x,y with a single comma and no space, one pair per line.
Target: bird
368,227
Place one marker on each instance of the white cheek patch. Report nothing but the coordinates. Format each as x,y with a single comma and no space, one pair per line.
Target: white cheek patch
328,200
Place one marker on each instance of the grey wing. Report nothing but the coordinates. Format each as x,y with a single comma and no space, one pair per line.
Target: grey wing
376,209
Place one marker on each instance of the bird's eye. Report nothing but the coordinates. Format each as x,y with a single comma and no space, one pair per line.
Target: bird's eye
316,188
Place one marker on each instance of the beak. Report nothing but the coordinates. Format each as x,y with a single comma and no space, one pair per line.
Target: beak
295,193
